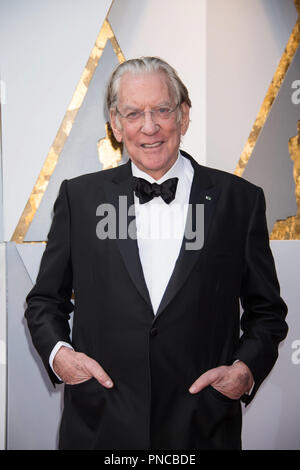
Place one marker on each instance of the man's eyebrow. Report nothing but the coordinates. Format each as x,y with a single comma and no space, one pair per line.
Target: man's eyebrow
136,108
164,103
131,108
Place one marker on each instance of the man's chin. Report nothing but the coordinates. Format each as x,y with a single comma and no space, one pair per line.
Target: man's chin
156,169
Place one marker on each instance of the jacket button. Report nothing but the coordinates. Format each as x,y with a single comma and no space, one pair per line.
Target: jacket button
153,331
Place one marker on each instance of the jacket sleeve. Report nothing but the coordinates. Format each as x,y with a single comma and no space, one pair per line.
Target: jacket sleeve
263,319
49,302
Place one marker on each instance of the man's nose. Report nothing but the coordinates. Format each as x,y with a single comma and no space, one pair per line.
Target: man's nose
149,124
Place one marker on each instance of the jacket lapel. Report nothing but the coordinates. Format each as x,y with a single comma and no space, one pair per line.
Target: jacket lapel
119,193
202,192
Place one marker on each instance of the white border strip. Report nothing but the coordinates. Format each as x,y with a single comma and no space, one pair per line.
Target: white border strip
3,349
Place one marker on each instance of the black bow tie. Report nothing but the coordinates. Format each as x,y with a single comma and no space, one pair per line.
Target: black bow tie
146,191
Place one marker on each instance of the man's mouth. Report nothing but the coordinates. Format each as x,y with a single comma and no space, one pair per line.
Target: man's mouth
152,146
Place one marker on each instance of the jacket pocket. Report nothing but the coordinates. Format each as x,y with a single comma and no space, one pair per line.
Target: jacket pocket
220,396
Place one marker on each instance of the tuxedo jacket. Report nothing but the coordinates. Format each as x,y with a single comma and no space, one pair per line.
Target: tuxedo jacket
222,303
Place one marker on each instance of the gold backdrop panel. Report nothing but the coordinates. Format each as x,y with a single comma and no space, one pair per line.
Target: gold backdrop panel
272,92
109,149
289,229
41,184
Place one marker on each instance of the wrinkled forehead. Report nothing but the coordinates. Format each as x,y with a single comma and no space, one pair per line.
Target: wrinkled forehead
140,87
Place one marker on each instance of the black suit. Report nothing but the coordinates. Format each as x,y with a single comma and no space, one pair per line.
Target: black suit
153,360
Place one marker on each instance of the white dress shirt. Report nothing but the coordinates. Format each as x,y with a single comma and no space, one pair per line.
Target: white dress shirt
160,228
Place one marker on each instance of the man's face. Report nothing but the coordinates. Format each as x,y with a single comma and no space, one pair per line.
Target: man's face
152,142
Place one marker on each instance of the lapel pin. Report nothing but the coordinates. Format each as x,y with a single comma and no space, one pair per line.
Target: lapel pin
208,198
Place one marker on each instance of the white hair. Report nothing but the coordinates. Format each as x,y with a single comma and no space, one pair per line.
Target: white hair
141,66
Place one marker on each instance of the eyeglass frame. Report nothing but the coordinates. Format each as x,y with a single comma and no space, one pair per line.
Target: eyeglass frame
142,113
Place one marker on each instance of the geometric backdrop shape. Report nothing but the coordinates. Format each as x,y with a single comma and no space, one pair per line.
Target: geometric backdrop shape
33,404
270,165
31,255
79,154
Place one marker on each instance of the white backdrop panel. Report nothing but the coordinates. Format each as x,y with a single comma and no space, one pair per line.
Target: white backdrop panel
44,47
272,420
33,404
245,41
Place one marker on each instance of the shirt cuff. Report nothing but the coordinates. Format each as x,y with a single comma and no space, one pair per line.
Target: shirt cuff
53,353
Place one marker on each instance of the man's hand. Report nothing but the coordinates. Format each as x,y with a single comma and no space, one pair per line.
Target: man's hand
75,367
232,381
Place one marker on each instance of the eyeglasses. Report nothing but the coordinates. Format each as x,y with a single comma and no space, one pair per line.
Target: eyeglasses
161,113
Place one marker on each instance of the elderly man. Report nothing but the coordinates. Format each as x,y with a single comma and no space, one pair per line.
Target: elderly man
156,359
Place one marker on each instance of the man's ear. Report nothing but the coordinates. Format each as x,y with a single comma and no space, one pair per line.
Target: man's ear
185,118
115,128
